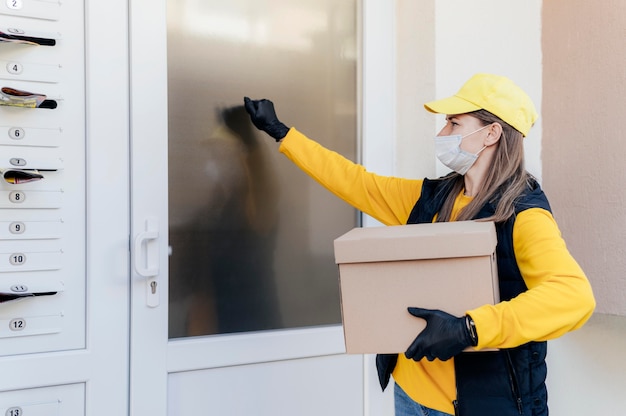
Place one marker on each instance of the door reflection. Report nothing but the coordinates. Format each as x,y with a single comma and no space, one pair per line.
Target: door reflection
230,272
250,235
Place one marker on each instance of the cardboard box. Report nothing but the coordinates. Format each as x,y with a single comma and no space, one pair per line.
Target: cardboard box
383,270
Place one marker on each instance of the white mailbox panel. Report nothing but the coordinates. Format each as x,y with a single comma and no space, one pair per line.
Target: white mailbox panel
40,9
29,261
26,135
68,400
36,311
22,198
30,229
19,158
42,177
29,71
30,325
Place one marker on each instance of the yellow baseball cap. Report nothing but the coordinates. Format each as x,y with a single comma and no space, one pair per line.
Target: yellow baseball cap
494,93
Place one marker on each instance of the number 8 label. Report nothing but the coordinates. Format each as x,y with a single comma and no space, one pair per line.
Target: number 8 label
17,197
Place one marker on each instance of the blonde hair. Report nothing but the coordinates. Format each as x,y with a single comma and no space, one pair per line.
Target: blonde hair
506,180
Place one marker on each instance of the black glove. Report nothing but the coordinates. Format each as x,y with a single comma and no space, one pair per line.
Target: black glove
444,337
385,364
264,117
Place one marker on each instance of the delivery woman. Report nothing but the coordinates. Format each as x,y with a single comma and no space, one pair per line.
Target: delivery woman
543,290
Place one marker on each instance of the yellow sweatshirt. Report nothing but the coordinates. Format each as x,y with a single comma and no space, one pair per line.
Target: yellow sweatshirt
559,297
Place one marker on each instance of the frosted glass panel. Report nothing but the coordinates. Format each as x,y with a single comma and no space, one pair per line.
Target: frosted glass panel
250,235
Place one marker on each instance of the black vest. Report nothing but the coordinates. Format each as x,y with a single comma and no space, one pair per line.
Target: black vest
508,382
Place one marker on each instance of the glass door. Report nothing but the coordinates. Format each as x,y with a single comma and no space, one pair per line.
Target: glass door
250,236
234,279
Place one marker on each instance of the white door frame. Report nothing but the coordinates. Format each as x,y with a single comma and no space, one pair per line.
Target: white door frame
108,259
152,355
149,231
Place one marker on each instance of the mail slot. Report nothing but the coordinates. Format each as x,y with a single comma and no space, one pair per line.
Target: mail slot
28,37
13,97
25,290
23,161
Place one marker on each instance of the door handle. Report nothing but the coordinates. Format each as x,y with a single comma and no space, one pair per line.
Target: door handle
147,265
146,260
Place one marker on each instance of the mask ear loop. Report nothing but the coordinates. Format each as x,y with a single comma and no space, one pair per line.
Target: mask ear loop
484,147
475,131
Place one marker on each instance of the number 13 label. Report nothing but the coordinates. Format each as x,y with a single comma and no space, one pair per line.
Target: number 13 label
14,411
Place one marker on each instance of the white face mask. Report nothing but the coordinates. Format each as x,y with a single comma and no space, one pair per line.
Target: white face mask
449,152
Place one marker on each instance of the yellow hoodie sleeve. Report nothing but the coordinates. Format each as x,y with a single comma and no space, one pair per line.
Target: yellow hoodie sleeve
559,297
388,199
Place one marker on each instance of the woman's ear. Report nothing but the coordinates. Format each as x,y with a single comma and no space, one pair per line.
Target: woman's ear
493,134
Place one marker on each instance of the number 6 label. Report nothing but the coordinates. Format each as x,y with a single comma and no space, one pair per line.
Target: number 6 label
16,133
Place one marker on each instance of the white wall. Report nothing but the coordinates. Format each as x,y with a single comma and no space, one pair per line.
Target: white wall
587,369
494,36
378,152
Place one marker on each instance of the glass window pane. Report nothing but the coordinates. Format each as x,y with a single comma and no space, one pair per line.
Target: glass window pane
250,235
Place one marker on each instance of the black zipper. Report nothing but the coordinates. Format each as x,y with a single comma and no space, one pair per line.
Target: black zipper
514,383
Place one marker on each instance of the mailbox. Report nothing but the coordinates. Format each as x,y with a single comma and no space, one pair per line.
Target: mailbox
42,178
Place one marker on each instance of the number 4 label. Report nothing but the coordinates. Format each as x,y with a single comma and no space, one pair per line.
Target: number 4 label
15,68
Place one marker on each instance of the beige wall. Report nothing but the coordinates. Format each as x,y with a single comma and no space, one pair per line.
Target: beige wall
584,142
